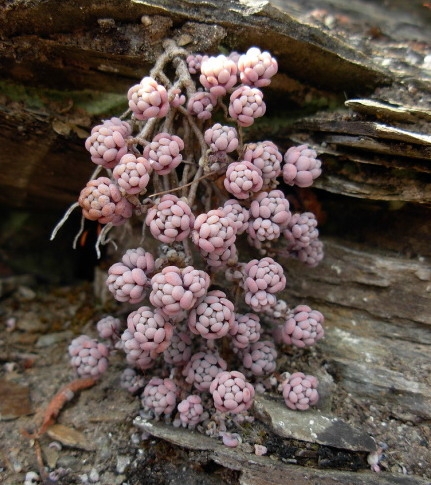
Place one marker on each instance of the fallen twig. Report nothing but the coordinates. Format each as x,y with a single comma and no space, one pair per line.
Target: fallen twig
57,403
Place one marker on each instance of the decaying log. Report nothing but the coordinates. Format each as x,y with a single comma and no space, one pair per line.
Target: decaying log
86,52
263,470
377,310
361,75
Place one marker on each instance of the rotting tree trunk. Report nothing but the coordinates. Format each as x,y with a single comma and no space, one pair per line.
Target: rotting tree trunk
62,73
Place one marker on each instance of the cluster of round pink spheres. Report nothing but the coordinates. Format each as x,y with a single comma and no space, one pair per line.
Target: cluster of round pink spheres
208,324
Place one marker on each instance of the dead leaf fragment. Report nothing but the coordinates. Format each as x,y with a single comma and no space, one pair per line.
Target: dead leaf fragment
15,400
69,437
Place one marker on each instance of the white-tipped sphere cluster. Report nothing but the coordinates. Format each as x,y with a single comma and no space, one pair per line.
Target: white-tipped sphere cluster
303,328
201,105
190,411
243,179
301,166
231,392
180,350
213,232
266,156
218,74
246,330
263,278
128,280
246,104
108,142
160,396
194,62
170,219
175,289
213,317
163,152
88,356
102,201
132,173
269,215
238,214
260,358
149,330
256,68
301,230
148,99
108,327
221,138
203,368
300,391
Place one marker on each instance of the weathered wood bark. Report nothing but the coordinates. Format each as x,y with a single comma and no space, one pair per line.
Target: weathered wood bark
361,75
76,70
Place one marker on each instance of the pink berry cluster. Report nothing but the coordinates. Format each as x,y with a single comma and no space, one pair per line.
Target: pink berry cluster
205,322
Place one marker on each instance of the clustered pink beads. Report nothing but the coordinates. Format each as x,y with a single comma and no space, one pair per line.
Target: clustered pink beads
213,317
218,74
238,214
256,68
148,99
101,201
269,214
300,391
246,330
108,142
260,358
135,355
214,234
303,328
182,305
139,258
265,156
221,138
108,327
163,152
176,98
128,280
190,411
201,105
149,329
243,179
263,278
180,350
301,167
175,289
231,392
301,230
246,104
131,380
312,254
132,173
160,396
88,356
202,369
171,219
194,62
